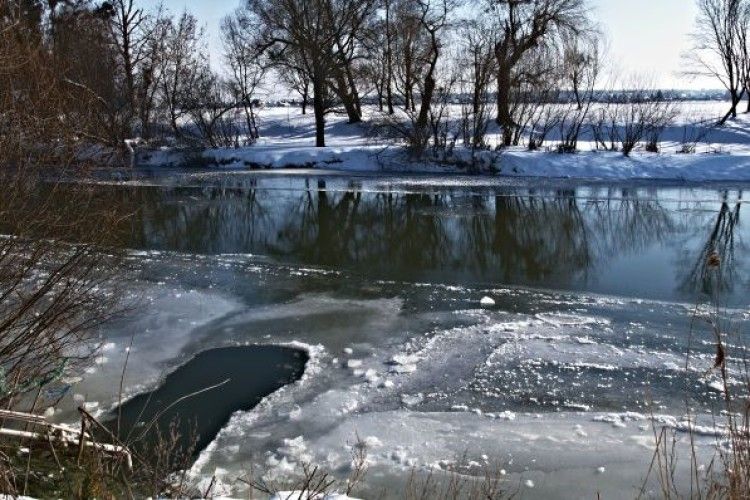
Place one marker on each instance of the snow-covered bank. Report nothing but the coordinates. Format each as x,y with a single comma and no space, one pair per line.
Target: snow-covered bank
588,165
640,166
288,142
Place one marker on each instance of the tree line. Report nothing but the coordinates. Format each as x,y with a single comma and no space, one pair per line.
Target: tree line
147,72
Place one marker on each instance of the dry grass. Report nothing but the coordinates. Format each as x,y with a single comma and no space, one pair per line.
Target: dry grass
727,475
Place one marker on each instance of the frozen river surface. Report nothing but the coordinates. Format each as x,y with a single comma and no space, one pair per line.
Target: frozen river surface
559,380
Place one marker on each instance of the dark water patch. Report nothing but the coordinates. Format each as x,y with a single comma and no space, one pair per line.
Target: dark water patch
239,378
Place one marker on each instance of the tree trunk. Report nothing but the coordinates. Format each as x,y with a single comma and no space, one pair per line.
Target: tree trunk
347,99
732,113
429,86
504,118
424,110
388,58
319,107
353,92
389,94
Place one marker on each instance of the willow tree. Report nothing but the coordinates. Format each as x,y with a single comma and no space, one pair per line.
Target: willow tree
523,27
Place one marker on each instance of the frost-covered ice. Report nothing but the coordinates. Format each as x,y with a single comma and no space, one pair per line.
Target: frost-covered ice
425,385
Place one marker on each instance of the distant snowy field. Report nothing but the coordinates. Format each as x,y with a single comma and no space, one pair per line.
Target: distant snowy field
288,137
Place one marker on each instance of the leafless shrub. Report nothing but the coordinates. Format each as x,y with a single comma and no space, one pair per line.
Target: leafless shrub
163,470
694,133
58,468
59,263
312,481
545,121
359,466
530,94
444,131
641,115
56,283
605,127
210,109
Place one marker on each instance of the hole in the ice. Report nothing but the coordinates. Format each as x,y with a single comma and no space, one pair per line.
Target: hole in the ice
244,375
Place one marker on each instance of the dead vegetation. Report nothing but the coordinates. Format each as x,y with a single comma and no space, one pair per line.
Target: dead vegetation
727,474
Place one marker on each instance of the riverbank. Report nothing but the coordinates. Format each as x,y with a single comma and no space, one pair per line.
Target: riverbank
287,141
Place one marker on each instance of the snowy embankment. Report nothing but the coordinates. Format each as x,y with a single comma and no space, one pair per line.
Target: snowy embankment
288,142
609,165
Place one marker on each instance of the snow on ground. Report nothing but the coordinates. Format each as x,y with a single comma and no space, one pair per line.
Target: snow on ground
288,141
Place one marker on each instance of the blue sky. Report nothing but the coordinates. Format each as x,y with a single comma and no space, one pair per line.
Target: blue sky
645,36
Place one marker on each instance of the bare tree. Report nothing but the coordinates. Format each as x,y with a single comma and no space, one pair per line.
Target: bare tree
135,35
524,26
478,49
581,69
431,18
389,42
247,68
321,41
743,34
56,283
84,56
720,47
294,76
349,19
409,46
180,67
299,30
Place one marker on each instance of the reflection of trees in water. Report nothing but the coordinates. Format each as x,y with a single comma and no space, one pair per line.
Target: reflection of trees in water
560,235
623,222
722,239
352,228
210,220
509,235
534,237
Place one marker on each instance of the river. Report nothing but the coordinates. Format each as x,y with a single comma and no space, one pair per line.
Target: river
379,280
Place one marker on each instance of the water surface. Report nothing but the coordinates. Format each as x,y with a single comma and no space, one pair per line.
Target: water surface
379,279
636,241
